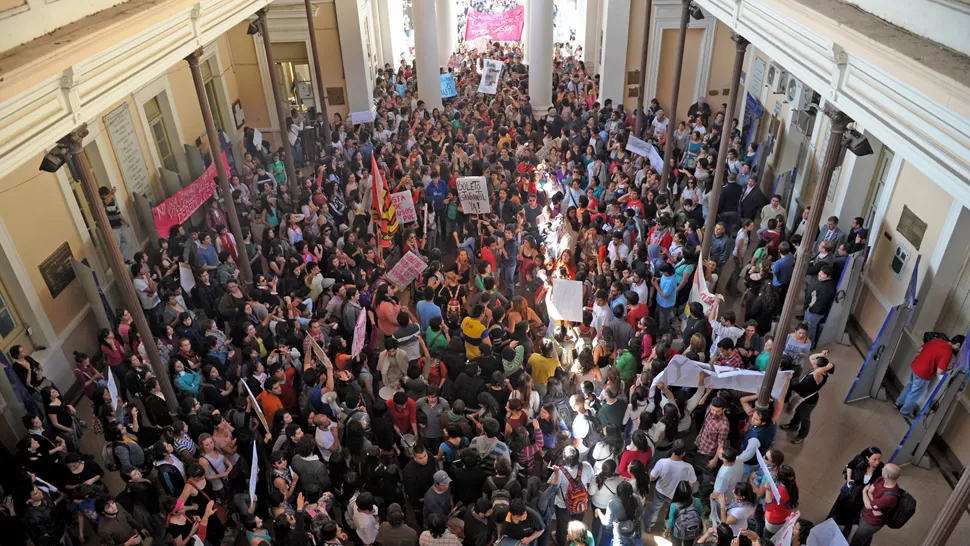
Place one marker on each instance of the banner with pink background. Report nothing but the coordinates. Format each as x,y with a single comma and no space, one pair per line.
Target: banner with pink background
503,27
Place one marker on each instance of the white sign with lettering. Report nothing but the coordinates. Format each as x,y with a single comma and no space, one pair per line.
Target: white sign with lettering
404,207
473,194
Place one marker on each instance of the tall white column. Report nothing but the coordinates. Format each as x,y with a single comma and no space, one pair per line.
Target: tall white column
395,28
616,30
540,67
527,4
426,52
587,32
383,26
353,49
447,18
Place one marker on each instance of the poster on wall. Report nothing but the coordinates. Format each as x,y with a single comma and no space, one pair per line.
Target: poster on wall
128,152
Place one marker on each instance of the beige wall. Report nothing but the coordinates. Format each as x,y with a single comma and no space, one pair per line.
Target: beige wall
924,198
331,60
722,64
665,74
186,103
634,48
38,219
246,70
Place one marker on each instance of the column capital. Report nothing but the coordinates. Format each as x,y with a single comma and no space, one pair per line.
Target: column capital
74,140
261,14
740,42
193,58
838,117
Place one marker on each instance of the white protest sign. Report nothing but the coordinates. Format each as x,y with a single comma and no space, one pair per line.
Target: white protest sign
257,139
404,207
826,533
543,153
566,300
473,195
656,161
454,61
361,117
253,474
360,334
490,77
113,389
684,372
785,535
186,279
256,406
767,472
406,270
638,146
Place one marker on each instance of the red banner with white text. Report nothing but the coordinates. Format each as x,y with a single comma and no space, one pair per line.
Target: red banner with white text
503,27
180,207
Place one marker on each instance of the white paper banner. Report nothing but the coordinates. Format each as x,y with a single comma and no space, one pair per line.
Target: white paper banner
473,194
684,372
656,161
638,146
767,472
566,300
360,334
404,207
253,474
257,139
406,270
113,389
826,533
257,407
186,279
491,73
784,535
361,117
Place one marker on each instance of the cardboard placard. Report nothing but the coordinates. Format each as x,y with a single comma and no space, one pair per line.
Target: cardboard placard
473,195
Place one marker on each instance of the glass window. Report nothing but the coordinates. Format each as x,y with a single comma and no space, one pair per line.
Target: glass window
211,95
10,325
153,111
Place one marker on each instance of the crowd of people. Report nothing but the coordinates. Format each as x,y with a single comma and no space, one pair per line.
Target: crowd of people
470,415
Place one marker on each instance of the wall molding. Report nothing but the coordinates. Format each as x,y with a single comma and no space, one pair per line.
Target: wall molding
666,16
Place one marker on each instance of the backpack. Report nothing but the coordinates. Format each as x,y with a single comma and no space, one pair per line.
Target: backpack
905,509
687,524
108,456
593,437
577,498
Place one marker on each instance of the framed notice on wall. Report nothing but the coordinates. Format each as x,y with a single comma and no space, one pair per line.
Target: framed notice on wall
911,227
58,270
131,159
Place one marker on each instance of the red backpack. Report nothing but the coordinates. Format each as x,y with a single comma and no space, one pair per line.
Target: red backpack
577,498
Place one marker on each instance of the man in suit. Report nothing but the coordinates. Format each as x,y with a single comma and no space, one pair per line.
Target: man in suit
830,232
752,200
857,236
728,206
825,258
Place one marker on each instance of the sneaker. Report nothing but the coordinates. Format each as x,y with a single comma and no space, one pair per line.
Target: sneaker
797,440
898,406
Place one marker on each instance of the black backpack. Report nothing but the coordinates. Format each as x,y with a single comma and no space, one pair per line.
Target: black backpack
905,508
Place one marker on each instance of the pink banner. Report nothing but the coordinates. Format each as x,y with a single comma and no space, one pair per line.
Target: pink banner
179,207
503,27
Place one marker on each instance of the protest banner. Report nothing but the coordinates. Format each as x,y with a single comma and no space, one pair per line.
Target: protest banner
406,270
638,146
178,208
361,117
767,473
565,300
253,475
656,161
360,334
700,293
490,76
448,88
473,195
400,89
404,207
454,62
319,352
257,407
826,533
684,372
257,139
186,278
503,27
560,34
786,534
113,389
542,154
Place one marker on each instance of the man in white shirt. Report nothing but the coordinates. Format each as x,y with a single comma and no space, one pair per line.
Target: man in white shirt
365,519
668,473
724,325
575,466
660,125
617,249
326,437
147,290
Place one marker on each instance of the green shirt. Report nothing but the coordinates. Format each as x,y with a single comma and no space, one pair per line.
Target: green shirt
761,361
435,340
626,364
279,172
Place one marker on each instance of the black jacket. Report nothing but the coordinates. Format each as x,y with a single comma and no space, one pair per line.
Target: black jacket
730,197
750,205
467,388
417,480
821,297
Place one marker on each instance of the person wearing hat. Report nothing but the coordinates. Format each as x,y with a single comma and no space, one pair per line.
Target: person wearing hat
438,498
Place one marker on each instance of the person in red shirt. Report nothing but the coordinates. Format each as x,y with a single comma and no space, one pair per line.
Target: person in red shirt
404,413
287,384
488,252
934,355
880,498
635,310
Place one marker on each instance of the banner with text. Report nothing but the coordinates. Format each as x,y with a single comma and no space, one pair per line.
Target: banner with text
473,195
490,76
448,88
406,270
357,118
503,27
179,207
360,334
404,207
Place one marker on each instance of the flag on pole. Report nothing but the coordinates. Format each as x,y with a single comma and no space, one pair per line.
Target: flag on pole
387,220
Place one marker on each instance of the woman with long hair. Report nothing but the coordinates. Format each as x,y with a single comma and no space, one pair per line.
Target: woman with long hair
736,512
609,448
864,469
585,369
805,394
778,509
665,431
62,417
550,423
527,394
602,491
638,450
684,524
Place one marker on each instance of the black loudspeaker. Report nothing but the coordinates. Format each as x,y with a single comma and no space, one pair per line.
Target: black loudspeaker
859,144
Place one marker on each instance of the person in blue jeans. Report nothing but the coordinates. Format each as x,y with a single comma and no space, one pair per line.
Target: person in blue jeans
934,355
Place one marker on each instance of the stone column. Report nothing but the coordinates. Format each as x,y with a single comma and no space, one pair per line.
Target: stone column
318,70
426,53
274,81
588,32
739,52
948,516
447,21
215,149
641,94
116,261
526,21
672,111
540,56
797,284
616,15
395,24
